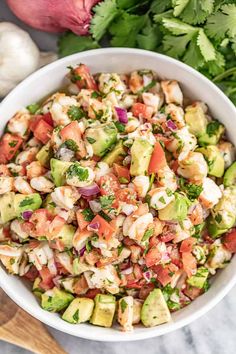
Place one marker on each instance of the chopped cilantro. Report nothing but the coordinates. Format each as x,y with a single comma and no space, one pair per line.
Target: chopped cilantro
25,202
88,246
162,200
71,144
212,127
76,113
87,214
198,230
76,316
106,201
120,248
104,216
12,261
78,171
95,94
12,143
218,218
148,233
91,140
120,127
192,190
123,305
123,180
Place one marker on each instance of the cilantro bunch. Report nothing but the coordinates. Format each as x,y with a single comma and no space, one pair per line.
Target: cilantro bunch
201,33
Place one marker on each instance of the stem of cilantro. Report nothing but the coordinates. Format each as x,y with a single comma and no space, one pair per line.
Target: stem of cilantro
225,74
135,7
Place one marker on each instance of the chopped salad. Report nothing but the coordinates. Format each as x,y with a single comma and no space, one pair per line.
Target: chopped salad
118,198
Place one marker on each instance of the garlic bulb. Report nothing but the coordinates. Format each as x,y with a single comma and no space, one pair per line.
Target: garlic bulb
19,56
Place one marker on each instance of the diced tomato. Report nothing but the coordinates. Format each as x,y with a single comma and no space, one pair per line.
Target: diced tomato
192,292
189,263
142,110
105,230
229,241
122,173
91,293
187,244
43,131
82,223
72,132
167,237
126,195
47,278
175,166
81,286
9,144
56,225
36,118
138,274
133,285
128,241
158,159
165,273
145,290
175,256
83,78
32,273
152,257
109,184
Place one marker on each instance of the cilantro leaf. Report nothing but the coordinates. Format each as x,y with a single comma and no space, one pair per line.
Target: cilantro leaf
178,27
212,127
75,170
106,201
104,14
70,43
33,108
176,46
159,6
195,11
71,144
193,56
25,202
76,113
222,23
123,305
150,37
87,214
192,190
205,46
126,24
179,6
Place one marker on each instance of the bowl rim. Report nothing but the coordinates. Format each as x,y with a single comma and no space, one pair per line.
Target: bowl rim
116,336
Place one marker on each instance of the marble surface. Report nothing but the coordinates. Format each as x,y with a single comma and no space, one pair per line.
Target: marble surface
212,334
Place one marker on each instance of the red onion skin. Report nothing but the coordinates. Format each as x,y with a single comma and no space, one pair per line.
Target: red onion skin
93,227
55,15
171,125
26,215
81,252
89,191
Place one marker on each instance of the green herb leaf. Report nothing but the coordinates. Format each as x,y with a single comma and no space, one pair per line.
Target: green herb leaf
192,190
32,108
25,202
76,113
71,144
76,316
222,23
91,140
120,127
78,171
106,201
123,305
148,233
87,214
69,43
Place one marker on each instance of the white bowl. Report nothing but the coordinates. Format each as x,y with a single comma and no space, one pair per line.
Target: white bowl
121,60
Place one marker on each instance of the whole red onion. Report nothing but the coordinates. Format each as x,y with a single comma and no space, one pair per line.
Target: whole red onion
55,15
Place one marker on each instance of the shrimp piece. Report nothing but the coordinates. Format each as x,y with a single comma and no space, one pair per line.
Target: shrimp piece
160,198
19,123
211,193
99,110
84,98
56,140
172,92
151,100
80,238
227,151
65,260
135,253
193,166
60,107
27,156
101,169
106,278
176,113
33,142
65,197
16,227
35,169
128,100
11,250
42,255
16,170
111,82
42,184
137,311
22,186
133,123
6,184
218,257
196,215
135,82
183,231
183,141
167,178
141,184
125,313
4,171
135,229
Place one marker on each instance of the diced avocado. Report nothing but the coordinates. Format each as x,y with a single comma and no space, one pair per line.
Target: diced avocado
55,300
58,171
101,137
223,215
7,211
177,210
105,306
214,131
141,152
36,288
115,154
230,176
214,159
24,202
80,310
196,119
44,155
66,235
155,310
198,280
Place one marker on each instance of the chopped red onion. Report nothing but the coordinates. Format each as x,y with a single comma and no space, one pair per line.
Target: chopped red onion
93,227
26,215
171,125
147,275
95,206
93,189
127,271
56,281
122,115
81,252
